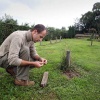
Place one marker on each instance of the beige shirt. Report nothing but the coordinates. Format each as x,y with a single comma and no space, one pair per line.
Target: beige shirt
14,43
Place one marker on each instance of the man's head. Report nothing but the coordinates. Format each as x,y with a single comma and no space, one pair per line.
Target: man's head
38,32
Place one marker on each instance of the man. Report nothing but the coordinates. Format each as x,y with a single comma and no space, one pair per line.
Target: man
18,54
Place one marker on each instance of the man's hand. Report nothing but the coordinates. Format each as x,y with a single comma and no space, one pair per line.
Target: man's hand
38,58
38,64
43,60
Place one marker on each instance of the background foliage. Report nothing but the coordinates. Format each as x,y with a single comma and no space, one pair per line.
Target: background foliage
90,19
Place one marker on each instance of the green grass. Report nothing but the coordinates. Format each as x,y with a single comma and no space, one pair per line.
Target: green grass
85,59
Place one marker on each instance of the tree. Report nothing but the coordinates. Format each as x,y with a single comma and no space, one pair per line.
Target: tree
8,20
88,20
8,25
64,32
78,26
71,32
96,7
96,11
91,19
93,32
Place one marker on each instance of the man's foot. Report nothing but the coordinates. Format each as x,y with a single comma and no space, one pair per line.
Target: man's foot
10,71
24,82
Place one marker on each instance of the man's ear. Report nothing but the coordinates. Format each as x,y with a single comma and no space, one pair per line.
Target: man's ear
35,31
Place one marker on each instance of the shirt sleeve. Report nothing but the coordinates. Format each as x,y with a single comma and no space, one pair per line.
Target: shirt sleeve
15,46
33,51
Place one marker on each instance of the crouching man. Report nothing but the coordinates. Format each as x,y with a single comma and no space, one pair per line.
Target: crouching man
18,54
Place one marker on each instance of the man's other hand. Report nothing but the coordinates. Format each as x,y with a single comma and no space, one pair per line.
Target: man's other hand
38,64
43,60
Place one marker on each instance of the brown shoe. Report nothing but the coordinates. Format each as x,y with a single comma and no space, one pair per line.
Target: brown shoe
24,82
10,71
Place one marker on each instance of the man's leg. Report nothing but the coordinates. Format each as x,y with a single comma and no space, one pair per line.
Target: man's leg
22,75
4,64
23,71
4,61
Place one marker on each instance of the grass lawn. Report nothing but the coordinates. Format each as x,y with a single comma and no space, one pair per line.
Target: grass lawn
85,59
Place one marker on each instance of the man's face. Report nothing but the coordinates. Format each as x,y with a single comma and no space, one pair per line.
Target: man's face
38,36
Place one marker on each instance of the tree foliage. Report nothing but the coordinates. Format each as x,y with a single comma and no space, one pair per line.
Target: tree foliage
90,19
7,19
8,25
71,32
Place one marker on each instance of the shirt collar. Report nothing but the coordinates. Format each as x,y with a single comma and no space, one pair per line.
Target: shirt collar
29,36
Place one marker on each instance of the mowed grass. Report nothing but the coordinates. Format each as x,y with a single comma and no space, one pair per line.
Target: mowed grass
84,58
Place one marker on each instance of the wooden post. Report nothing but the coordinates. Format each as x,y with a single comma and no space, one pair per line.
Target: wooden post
56,39
60,38
68,58
91,42
40,42
92,36
50,41
44,79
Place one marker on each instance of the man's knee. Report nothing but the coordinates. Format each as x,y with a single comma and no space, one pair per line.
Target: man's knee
4,61
24,53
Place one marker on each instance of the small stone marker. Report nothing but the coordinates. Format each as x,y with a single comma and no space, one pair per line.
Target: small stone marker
44,79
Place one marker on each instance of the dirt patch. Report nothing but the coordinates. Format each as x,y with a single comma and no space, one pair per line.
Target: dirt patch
71,74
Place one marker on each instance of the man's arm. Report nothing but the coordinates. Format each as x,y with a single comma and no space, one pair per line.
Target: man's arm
34,54
13,58
37,57
14,49
37,64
